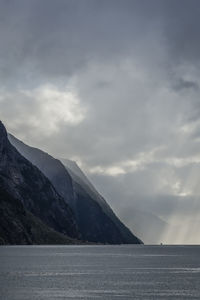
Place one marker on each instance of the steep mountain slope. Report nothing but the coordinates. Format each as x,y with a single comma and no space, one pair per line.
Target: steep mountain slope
85,187
77,174
25,182
51,167
96,221
20,227
138,220
81,179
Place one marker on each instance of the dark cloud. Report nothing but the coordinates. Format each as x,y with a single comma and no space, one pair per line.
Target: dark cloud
182,31
182,84
56,38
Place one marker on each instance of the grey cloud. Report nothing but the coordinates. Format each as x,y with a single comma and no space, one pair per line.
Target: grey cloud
182,31
56,38
142,190
182,84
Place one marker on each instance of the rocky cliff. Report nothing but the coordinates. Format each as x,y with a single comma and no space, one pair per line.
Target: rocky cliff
26,183
96,220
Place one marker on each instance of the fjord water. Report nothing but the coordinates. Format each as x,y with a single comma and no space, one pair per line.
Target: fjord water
99,272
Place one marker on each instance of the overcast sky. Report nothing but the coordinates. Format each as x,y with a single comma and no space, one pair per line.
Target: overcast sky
114,85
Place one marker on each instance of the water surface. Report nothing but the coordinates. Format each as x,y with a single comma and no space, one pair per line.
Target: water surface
99,272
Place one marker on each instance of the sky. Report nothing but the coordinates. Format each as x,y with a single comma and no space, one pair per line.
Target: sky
114,85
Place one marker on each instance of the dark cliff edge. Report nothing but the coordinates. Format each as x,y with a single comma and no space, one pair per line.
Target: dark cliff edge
24,182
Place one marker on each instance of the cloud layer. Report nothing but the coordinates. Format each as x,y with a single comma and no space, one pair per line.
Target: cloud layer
115,86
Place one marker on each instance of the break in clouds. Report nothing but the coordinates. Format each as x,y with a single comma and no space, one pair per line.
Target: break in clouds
113,85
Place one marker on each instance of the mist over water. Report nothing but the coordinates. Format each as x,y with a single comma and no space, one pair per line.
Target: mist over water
99,272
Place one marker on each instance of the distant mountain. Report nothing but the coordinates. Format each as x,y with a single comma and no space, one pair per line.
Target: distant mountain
96,220
148,226
23,181
81,181
77,174
138,220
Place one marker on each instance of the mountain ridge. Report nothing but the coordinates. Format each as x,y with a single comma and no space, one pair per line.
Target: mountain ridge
26,183
96,220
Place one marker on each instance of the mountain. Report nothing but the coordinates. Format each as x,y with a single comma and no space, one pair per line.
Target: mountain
139,220
18,226
77,174
81,181
96,220
26,183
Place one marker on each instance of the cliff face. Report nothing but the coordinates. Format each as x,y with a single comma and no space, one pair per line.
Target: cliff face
51,167
20,227
85,188
25,182
96,220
